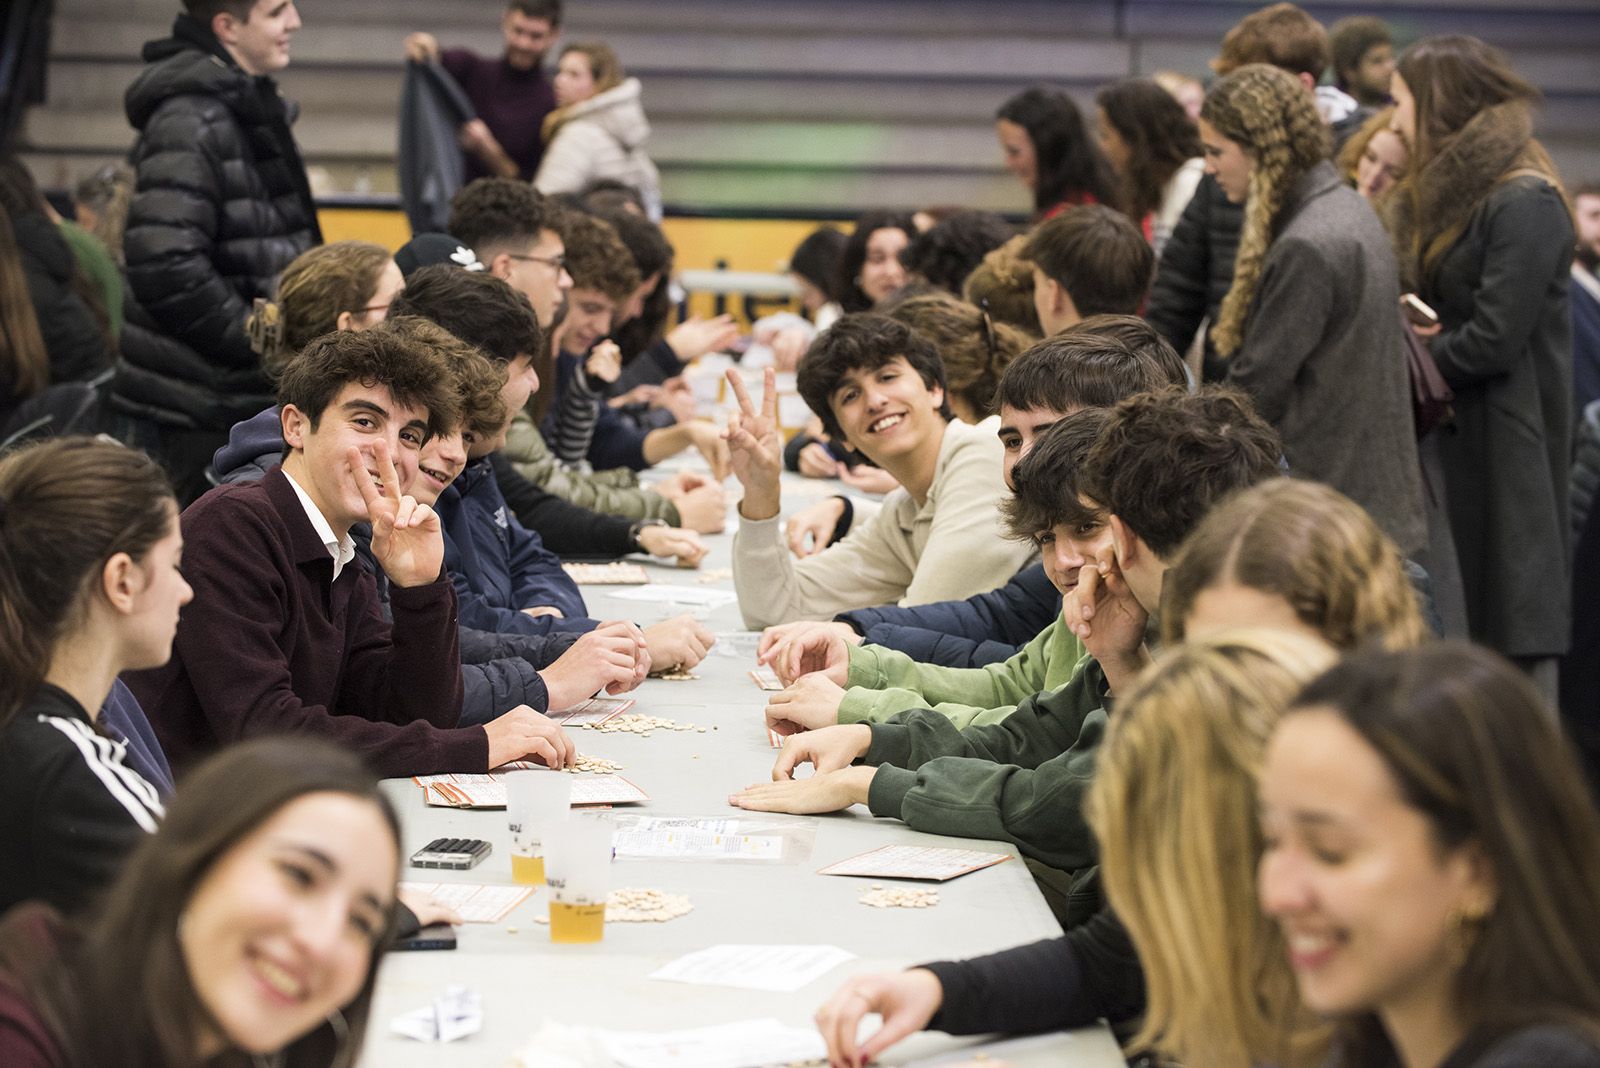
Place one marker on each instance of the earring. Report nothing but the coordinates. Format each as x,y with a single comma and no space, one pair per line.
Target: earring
341,1034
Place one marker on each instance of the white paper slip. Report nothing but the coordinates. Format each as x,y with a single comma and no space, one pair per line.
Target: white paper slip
616,573
586,790
594,710
687,596
694,843
745,1044
777,969
737,643
456,1014
475,902
914,862
766,678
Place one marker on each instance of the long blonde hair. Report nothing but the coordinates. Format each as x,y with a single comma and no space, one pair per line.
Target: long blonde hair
603,65
1268,113
1310,545
1174,807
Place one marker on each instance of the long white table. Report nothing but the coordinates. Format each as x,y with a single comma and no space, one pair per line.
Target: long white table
525,980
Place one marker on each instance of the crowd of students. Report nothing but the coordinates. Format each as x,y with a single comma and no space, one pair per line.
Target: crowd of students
1182,502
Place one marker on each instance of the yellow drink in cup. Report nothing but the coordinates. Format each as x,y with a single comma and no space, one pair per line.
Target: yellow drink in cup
578,873
529,871
577,923
535,801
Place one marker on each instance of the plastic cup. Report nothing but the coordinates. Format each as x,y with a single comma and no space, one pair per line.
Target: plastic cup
535,802
577,869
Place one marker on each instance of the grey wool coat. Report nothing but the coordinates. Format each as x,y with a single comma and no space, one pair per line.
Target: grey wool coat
1323,355
1506,351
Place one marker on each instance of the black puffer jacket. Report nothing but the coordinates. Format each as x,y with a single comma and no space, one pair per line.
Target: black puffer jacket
221,206
1196,271
74,340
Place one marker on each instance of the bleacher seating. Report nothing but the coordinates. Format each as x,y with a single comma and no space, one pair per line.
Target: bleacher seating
820,105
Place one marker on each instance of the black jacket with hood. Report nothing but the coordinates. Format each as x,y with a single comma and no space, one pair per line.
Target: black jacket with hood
221,205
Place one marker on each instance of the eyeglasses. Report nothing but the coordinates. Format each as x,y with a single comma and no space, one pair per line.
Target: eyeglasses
558,262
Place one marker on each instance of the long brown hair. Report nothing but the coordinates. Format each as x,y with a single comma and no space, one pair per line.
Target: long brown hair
1474,129
24,361
121,992
1269,113
1473,748
1160,137
67,506
1174,805
1310,545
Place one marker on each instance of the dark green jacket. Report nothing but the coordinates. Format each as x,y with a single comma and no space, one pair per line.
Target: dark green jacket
1021,780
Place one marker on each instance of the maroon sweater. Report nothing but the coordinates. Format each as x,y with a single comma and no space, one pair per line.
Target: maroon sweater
512,103
30,942
272,644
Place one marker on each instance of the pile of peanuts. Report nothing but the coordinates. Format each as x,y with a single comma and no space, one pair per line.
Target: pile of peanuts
897,897
641,725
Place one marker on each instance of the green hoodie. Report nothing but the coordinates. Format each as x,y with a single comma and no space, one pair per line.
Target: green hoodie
615,492
1022,780
884,681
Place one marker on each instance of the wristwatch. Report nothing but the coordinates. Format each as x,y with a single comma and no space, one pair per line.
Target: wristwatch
638,527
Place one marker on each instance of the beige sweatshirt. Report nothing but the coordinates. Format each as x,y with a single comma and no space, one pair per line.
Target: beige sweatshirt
950,547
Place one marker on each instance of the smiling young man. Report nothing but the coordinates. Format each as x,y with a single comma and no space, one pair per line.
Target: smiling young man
511,92
880,386
1094,365
221,206
1162,461
285,636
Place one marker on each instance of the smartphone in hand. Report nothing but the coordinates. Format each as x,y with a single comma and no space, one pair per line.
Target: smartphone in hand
1417,311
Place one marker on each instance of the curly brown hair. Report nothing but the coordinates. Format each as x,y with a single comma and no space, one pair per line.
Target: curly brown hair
1003,284
476,379
1268,113
596,257
412,372
1165,459
975,349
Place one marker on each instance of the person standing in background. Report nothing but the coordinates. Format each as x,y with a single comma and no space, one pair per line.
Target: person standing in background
1485,238
1363,59
511,92
221,205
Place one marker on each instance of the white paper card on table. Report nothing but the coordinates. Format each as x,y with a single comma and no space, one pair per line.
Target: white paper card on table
586,790
936,863
695,840
615,573
777,969
766,678
738,643
744,1044
592,710
455,1014
474,902
687,596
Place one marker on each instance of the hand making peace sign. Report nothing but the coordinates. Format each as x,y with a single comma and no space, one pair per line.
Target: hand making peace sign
756,445
406,538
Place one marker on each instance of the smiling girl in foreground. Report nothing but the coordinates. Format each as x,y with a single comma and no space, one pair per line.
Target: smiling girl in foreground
246,931
1434,862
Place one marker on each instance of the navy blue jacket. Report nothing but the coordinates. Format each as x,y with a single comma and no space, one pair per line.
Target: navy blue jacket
988,628
617,442
498,671
499,566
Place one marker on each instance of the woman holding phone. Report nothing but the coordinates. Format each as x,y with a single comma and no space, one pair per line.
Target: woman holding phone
1485,239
